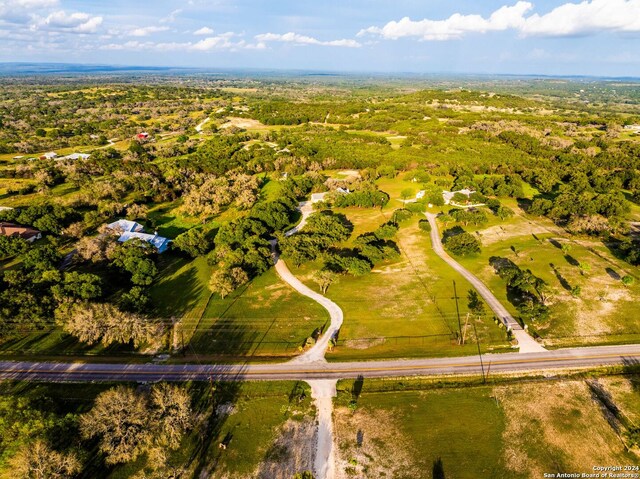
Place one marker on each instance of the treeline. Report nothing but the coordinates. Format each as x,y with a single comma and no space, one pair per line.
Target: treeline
242,249
321,240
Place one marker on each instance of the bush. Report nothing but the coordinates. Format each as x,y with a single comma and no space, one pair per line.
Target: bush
424,225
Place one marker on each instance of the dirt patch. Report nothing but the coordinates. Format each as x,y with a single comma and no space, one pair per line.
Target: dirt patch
244,123
371,446
556,427
350,174
363,343
291,452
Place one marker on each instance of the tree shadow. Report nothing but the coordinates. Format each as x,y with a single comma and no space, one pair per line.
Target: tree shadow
437,472
571,260
175,295
215,402
563,282
613,274
555,243
356,389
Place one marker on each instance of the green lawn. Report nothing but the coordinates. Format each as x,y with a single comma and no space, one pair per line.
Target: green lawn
264,318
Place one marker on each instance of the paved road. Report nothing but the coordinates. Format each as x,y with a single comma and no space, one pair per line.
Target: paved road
525,341
510,362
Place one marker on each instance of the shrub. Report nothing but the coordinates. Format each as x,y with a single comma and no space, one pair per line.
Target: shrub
424,225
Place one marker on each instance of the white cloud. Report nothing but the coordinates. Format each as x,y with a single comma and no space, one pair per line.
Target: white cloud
298,39
570,19
456,26
146,31
172,16
223,41
586,18
77,22
203,31
22,11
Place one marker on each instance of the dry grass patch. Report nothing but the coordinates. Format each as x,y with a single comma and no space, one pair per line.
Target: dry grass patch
383,451
556,427
291,452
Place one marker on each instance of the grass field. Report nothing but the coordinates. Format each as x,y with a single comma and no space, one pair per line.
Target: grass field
264,318
405,307
510,431
604,312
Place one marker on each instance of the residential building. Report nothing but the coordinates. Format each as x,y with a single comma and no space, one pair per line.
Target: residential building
25,232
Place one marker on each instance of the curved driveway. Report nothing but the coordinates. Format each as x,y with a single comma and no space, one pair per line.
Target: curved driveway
315,353
527,343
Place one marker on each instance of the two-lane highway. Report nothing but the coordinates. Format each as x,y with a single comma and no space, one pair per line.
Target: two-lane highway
576,358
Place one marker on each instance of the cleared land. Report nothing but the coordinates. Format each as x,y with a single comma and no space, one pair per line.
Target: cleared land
508,431
405,307
604,312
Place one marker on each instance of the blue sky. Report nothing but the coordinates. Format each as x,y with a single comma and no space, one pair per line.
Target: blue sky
592,37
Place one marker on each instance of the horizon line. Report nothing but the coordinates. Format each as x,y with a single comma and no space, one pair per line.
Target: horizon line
212,69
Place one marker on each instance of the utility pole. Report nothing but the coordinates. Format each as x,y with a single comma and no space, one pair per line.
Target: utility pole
479,353
455,296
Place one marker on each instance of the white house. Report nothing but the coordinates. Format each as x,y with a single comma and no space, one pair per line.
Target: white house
159,242
420,194
77,156
448,195
49,156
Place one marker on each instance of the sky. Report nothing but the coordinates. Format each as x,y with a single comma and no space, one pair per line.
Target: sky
552,37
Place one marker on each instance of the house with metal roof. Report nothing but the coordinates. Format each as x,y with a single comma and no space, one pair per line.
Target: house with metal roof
159,242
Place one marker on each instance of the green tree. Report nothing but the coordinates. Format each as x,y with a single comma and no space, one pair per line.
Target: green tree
407,193
462,244
504,213
325,278
584,267
424,225
475,303
194,242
